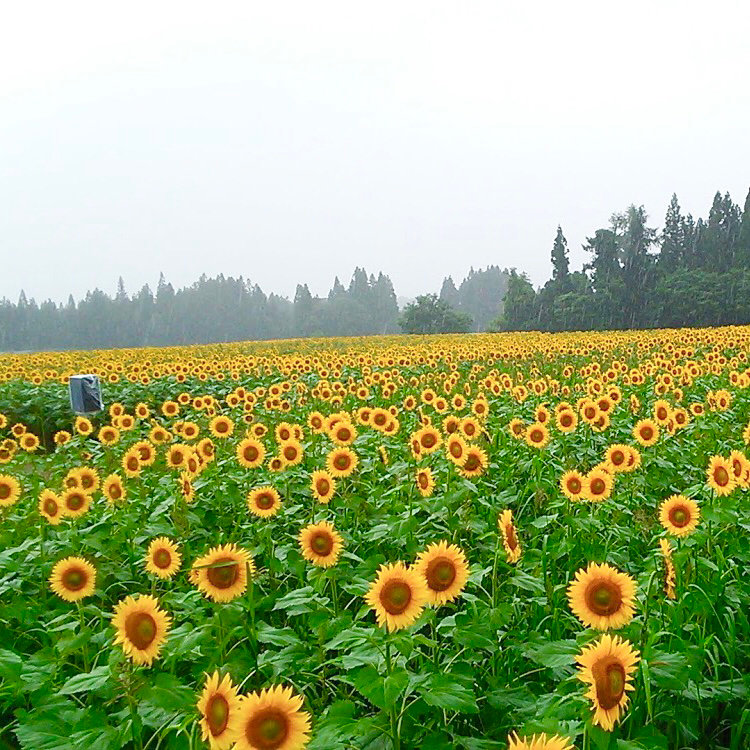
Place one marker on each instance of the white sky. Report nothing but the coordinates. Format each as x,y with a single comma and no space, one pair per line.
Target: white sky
291,141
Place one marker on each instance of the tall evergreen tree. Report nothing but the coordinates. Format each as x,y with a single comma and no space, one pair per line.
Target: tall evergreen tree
560,261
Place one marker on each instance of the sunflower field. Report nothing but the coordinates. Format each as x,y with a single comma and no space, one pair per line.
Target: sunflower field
500,541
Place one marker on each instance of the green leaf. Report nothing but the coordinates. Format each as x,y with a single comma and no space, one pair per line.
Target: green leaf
449,692
87,681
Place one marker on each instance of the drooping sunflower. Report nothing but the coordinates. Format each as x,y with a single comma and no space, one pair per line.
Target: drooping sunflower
539,742
602,597
50,507
272,719
720,476
341,462
398,596
670,578
264,502
221,574
219,706
73,579
10,490
598,485
75,502
445,571
323,486
475,461
321,544
510,537
572,484
607,666
646,432
679,515
141,627
251,453
425,482
163,558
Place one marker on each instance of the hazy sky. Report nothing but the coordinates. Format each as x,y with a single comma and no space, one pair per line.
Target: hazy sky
290,142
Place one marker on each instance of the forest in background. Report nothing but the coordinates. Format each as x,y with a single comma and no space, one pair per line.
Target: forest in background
690,273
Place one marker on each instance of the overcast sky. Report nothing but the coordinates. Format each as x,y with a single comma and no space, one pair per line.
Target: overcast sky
290,142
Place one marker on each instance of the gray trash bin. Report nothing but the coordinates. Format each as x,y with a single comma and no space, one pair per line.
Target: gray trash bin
85,394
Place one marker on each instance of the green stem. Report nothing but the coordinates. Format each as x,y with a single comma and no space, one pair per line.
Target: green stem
392,710
85,648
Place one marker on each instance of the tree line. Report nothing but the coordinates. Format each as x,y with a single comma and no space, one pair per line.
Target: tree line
234,309
691,273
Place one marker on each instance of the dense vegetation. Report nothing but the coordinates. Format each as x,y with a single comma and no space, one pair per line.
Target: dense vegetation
698,276
381,544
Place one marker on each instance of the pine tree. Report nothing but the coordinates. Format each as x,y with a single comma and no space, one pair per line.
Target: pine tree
560,261
743,239
673,249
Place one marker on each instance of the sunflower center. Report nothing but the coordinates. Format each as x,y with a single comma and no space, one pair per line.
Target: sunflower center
395,597
598,486
647,433
251,453
618,458
472,463
290,453
536,436
74,579
440,574
428,441
323,486
224,574
566,420
510,536
217,714
264,501
50,506
75,501
424,482
456,450
132,463
341,462
4,491
268,730
162,558
574,485
140,628
609,679
115,492
721,476
222,427
679,516
322,543
603,597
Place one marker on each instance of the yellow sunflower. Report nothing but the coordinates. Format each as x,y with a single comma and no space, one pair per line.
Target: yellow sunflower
62,437
341,462
617,456
537,435
598,485
291,451
455,448
572,484
251,453
320,544
272,719
221,574
425,482
646,432
263,502
539,742
83,426
113,488
73,579
510,538
398,596
219,709
163,558
75,502
108,435
602,597
721,478
323,486
88,479
131,463
670,578
221,427
607,666
475,461
50,507
445,571
679,515
141,628
10,490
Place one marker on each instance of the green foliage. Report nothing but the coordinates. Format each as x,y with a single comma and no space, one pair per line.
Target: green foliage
430,314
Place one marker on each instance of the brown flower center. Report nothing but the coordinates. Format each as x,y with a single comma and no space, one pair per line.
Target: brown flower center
251,453
440,574
75,501
471,463
132,463
428,440
598,486
341,462
290,453
74,579
424,481
268,729
679,516
647,433
721,476
4,491
224,574
609,681
162,558
536,436
617,458
322,543
264,500
574,485
323,485
217,714
566,420
50,505
510,536
395,597
603,598
140,629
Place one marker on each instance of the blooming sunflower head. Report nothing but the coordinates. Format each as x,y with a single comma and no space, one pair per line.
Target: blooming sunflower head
264,502
222,573
50,507
721,478
73,579
141,628
445,571
219,706
163,558
321,544
251,453
272,719
538,742
10,490
602,597
510,537
398,596
679,515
